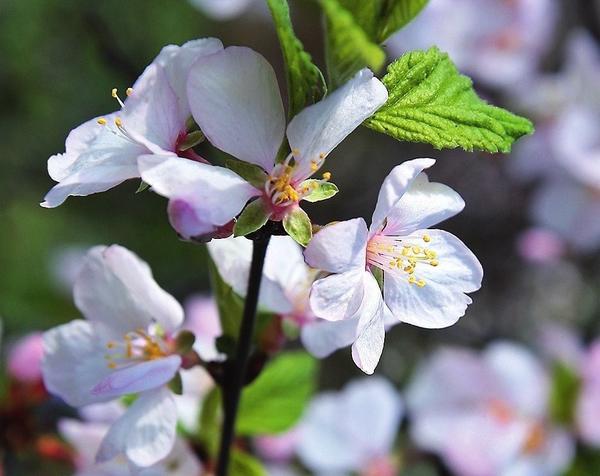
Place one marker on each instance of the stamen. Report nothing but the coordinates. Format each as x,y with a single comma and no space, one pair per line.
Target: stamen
326,176
128,91
102,121
114,94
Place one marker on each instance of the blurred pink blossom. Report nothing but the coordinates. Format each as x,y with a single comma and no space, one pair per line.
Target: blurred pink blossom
278,448
538,245
25,358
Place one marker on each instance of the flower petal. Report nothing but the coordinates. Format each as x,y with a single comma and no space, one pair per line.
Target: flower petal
322,338
116,288
441,302
74,362
424,204
138,377
177,62
234,98
367,349
394,187
145,434
232,256
317,130
206,197
338,296
339,247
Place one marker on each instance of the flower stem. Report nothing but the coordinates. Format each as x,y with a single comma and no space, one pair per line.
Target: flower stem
236,375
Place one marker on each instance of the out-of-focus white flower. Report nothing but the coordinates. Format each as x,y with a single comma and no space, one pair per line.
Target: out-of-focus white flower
65,264
487,414
352,430
426,272
499,42
286,277
125,346
222,9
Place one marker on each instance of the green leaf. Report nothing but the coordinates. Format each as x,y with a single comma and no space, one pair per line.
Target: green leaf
348,47
381,18
243,464
429,101
564,392
176,384
274,402
142,187
305,82
192,139
298,226
251,173
252,218
320,190
210,421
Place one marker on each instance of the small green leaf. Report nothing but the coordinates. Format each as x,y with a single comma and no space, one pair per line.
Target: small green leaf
564,392
143,186
275,401
210,420
251,173
298,226
305,82
320,190
348,47
184,341
176,384
429,101
252,218
192,139
381,18
243,464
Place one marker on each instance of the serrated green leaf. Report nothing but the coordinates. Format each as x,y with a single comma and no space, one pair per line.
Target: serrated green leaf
298,226
381,18
251,173
275,401
243,464
252,218
320,190
348,47
430,101
305,82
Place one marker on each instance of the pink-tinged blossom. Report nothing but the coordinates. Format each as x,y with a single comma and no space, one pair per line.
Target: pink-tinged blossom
538,245
102,152
486,414
124,346
352,430
499,42
202,319
426,273
86,438
25,358
286,277
278,448
234,98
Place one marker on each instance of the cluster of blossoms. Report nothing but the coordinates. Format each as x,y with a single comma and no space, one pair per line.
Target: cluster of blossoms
349,284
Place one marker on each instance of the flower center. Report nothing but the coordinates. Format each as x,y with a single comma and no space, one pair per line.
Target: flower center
281,186
401,256
117,127
137,346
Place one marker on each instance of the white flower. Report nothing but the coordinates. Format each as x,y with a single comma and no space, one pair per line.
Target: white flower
487,414
102,152
125,346
426,273
351,430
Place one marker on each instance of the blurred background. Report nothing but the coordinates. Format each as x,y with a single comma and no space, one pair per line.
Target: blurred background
532,217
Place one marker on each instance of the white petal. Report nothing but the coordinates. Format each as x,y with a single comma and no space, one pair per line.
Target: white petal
322,338
441,302
394,187
74,362
117,288
367,349
178,61
232,256
338,296
234,98
213,195
138,377
202,318
319,128
222,9
424,204
145,434
588,414
339,247
84,437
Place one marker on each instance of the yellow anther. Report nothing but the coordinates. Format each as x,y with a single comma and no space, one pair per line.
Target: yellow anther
412,279
128,91
416,249
114,92
110,345
421,283
405,251
295,152
326,175
118,122
434,262
426,238
112,365
321,155
314,166
102,121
